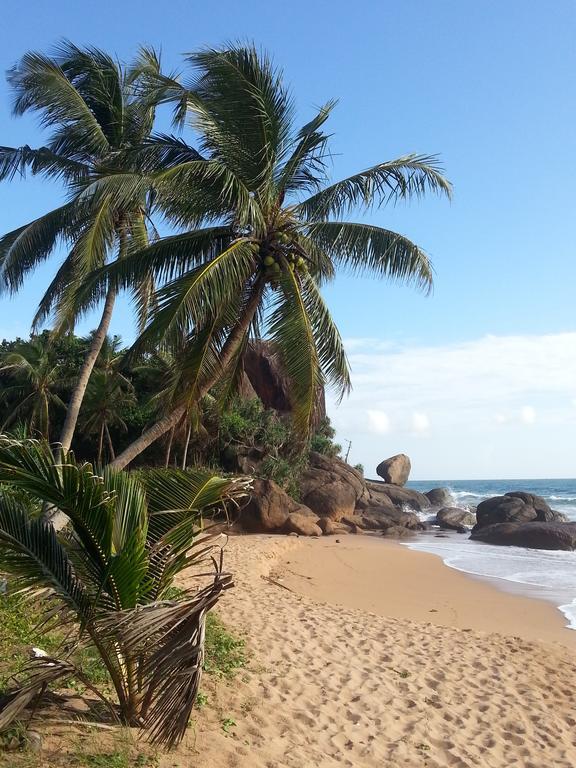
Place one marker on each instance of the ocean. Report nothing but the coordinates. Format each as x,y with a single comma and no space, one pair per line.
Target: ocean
543,574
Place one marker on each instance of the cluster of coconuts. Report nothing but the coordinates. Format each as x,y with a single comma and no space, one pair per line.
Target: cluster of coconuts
271,262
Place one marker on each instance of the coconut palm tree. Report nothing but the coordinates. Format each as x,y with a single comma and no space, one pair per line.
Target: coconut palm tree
34,377
89,103
109,575
263,229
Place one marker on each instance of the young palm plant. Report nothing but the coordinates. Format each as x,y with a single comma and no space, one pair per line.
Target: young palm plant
109,574
262,231
88,102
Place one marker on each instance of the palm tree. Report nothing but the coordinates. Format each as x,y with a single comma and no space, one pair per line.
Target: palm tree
263,230
89,103
110,575
34,380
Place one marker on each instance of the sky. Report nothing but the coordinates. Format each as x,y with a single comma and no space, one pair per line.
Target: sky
477,380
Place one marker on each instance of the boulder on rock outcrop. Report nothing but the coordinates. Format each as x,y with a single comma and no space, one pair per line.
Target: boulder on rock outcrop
440,497
302,524
535,535
330,487
269,508
399,497
395,470
329,527
455,519
515,507
382,518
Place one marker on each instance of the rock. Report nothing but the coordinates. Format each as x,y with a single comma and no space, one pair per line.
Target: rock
455,519
265,377
397,532
303,525
268,508
395,470
440,497
330,487
399,497
328,526
33,741
515,507
535,535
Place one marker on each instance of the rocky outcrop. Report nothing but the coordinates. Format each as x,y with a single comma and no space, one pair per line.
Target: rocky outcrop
440,497
455,519
395,470
535,535
269,509
515,507
330,487
397,532
403,497
265,377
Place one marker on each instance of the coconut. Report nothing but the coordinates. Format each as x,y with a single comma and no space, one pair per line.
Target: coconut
269,260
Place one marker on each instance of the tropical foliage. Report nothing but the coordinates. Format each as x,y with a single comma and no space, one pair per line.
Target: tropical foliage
262,231
89,104
109,577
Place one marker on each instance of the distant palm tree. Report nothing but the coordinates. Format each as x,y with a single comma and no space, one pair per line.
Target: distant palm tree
264,231
33,379
90,104
108,394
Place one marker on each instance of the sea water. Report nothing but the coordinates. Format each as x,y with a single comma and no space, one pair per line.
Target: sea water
545,574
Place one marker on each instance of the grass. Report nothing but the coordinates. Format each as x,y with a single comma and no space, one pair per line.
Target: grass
225,653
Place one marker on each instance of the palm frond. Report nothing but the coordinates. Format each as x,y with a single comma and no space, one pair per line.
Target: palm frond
400,179
18,160
366,249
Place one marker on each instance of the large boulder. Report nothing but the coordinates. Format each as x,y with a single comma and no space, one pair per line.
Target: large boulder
455,519
395,470
535,535
330,487
515,507
269,508
440,497
399,497
265,377
397,532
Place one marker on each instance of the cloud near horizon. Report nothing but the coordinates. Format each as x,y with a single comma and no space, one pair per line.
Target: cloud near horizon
498,406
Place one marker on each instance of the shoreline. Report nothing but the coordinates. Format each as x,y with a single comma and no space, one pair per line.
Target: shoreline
421,587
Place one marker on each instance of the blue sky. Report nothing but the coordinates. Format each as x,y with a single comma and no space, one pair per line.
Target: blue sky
491,87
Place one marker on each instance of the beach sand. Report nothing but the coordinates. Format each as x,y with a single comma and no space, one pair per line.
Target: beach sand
350,667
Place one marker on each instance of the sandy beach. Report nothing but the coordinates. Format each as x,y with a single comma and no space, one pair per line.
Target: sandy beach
365,653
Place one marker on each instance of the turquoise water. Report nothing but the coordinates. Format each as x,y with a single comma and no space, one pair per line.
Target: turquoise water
536,573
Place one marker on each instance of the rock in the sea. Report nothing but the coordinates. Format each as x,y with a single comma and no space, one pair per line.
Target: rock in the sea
455,519
303,525
269,508
440,497
395,470
381,493
515,507
330,487
535,535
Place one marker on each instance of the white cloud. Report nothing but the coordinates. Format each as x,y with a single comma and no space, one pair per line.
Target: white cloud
528,415
473,399
378,422
420,422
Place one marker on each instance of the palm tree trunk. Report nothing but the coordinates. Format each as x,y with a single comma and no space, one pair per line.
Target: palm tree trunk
100,444
85,372
186,446
229,349
169,448
109,441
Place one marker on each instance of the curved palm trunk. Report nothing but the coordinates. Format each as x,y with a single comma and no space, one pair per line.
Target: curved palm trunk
229,349
85,372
